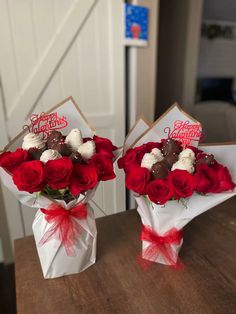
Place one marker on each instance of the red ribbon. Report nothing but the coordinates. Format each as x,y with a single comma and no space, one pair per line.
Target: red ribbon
64,226
160,245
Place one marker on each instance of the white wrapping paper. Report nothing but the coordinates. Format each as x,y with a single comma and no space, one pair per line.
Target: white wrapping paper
53,258
174,214
161,219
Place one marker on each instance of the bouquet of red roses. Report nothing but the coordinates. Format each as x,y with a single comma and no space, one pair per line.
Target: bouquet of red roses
58,172
174,181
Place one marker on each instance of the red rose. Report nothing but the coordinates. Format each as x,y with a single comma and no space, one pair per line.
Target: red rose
159,191
84,178
104,143
104,146
139,152
224,179
137,179
128,160
104,167
29,176
206,179
10,160
182,183
58,173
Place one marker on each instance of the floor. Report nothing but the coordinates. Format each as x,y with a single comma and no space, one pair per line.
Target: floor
7,289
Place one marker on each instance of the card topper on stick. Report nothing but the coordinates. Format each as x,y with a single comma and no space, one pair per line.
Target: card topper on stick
176,124
70,117
44,123
184,131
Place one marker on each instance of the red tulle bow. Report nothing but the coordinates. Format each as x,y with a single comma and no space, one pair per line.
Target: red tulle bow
64,226
160,245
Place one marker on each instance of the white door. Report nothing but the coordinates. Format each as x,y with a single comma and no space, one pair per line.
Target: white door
54,49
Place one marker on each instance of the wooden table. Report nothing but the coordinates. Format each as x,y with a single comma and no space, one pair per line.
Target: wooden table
116,284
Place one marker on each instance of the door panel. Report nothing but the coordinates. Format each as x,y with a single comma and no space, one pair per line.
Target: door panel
55,49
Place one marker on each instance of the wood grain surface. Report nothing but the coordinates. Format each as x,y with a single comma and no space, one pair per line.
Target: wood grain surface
116,284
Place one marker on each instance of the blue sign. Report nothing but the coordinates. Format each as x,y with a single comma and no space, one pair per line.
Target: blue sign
136,23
